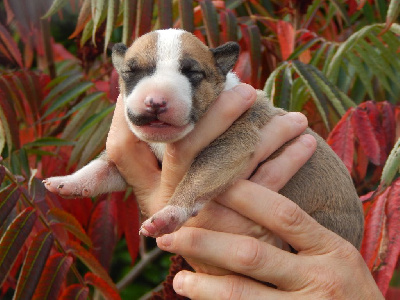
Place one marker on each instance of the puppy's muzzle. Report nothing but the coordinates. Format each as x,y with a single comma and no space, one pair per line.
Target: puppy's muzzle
155,105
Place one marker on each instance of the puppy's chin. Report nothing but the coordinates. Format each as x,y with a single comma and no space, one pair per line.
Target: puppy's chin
159,132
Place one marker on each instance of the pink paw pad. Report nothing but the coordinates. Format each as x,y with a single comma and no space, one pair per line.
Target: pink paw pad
167,220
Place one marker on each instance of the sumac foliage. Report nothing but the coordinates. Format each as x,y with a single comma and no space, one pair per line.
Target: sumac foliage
336,61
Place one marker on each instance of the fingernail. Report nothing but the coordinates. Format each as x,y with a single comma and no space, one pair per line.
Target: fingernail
165,241
307,140
178,282
244,90
297,117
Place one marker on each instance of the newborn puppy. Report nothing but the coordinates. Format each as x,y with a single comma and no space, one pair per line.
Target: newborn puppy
168,79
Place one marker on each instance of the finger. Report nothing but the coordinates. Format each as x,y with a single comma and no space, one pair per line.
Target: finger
227,108
281,215
239,254
199,286
133,158
275,173
278,131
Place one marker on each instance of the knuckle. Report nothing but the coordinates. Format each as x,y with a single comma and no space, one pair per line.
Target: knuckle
288,214
249,254
194,239
233,289
270,174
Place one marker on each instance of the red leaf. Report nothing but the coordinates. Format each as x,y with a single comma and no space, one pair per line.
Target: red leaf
286,38
109,292
362,164
132,224
8,200
2,172
33,265
392,247
13,240
375,118
69,222
393,293
341,140
366,135
75,292
54,274
103,231
374,230
11,46
90,261
388,124
114,87
243,67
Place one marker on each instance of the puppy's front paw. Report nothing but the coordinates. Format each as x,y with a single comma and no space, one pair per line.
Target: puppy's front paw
167,220
66,186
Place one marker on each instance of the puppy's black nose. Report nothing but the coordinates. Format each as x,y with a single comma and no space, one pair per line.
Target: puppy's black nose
155,105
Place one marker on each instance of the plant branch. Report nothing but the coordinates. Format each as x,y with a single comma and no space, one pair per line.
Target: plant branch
148,258
42,218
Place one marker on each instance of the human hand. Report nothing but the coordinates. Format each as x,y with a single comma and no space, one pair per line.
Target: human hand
325,267
154,187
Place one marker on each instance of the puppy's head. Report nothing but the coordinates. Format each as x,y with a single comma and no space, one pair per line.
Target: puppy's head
168,79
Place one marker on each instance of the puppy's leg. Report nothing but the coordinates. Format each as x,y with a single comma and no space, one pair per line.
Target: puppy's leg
216,167
98,177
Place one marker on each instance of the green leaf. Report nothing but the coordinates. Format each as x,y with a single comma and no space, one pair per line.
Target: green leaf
112,12
210,19
269,87
319,97
303,48
392,166
334,65
68,81
97,11
283,88
96,142
55,272
342,11
68,97
48,141
392,13
59,216
55,7
33,266
83,18
87,32
13,240
86,101
94,119
129,19
371,61
361,72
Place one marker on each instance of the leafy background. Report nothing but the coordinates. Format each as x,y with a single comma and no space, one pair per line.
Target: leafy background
336,61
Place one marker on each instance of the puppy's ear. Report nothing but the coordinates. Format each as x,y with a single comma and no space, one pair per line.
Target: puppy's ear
118,54
226,56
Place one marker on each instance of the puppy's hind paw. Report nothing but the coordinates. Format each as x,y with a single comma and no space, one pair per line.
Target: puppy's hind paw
167,220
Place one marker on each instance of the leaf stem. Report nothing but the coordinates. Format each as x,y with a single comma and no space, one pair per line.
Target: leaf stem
136,270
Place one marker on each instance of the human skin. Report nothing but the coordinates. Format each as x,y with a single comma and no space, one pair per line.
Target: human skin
230,234
154,187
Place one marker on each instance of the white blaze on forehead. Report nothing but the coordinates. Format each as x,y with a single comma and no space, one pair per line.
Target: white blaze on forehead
169,47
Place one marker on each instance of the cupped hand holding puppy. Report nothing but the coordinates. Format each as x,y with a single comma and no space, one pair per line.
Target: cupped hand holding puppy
229,235
154,187
325,267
